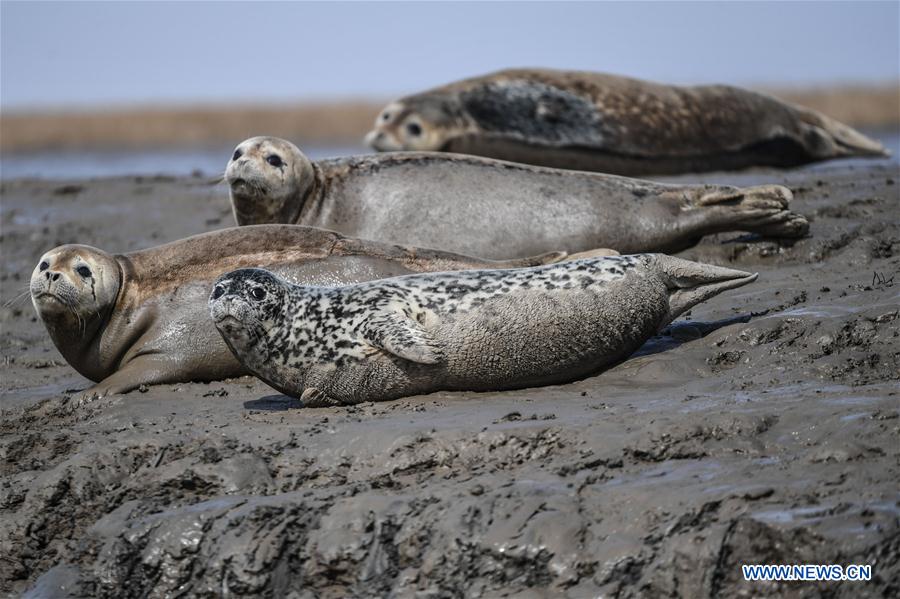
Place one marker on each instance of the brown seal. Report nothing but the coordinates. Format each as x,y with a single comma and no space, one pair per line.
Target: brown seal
489,208
140,318
600,122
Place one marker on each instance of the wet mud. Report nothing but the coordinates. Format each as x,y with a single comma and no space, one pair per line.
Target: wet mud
763,428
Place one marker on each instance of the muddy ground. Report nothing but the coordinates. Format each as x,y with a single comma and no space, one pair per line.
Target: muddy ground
772,438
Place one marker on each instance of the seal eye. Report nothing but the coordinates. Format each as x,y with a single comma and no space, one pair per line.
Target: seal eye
237,154
258,293
218,292
385,116
274,160
44,265
414,129
84,271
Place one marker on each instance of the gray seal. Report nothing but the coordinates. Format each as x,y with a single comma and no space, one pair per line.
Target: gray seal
612,124
477,330
126,320
490,208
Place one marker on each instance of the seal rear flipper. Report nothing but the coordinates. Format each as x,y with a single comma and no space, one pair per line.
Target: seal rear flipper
538,260
690,283
825,137
762,209
598,253
397,333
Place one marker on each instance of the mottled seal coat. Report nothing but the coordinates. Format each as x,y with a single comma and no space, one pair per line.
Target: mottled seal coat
600,122
475,330
140,318
489,208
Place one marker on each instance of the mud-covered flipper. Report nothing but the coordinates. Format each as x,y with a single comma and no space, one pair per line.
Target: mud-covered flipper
762,209
538,260
598,253
690,283
553,258
430,260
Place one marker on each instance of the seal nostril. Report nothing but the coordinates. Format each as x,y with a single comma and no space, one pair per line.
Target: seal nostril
55,276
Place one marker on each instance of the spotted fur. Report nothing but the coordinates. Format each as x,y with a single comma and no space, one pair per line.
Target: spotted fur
489,329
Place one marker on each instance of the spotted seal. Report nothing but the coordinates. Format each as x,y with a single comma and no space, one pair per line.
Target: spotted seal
612,124
477,330
483,207
140,318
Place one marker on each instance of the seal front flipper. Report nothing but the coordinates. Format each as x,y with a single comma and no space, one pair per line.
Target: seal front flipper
145,369
314,398
401,335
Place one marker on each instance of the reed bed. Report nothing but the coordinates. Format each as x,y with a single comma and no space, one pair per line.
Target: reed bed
322,123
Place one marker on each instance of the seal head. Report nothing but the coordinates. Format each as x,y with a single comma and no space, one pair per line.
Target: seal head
74,289
424,126
270,179
245,304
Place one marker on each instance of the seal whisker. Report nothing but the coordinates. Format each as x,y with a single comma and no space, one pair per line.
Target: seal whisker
18,297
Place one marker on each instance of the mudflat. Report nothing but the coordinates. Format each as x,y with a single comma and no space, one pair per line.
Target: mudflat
761,429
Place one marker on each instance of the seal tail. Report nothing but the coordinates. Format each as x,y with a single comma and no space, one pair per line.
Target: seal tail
690,283
762,209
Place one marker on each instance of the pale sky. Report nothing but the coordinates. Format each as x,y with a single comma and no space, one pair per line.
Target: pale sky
86,53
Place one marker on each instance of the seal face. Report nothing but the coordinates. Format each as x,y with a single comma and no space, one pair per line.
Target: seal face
269,179
73,288
474,330
399,127
490,208
601,122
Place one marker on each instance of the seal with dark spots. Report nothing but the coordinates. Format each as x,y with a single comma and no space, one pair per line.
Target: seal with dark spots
476,330
140,318
490,208
612,124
